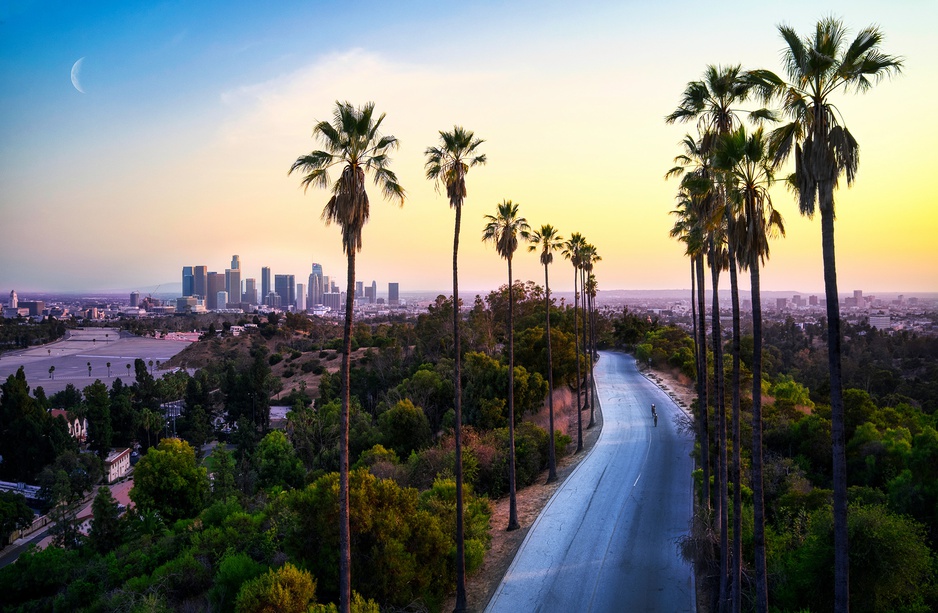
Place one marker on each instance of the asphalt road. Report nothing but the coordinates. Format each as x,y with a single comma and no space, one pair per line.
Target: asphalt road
606,541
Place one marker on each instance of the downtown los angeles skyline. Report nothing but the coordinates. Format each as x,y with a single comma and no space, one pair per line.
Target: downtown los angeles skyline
178,149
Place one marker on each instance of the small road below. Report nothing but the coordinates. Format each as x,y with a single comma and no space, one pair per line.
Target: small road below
607,540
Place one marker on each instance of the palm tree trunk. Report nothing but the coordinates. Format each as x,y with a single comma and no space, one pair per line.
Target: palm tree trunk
735,569
841,546
512,498
551,452
719,406
586,353
703,409
460,537
693,313
592,354
345,547
758,496
576,337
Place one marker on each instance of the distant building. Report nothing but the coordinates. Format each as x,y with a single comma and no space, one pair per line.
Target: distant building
333,300
188,281
200,281
35,307
781,303
235,263
233,283
116,464
14,302
881,320
374,292
134,299
216,283
316,286
221,300
812,300
359,289
250,291
394,297
265,283
300,297
285,286
369,295
77,428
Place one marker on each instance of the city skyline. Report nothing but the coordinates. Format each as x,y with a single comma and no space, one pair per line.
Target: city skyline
178,149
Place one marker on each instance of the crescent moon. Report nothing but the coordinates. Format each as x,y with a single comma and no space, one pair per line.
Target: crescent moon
76,73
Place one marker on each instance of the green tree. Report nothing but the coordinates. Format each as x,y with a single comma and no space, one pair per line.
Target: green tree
223,474
168,480
98,412
404,428
503,229
547,240
353,142
447,165
287,590
64,484
107,531
572,251
15,514
817,66
277,464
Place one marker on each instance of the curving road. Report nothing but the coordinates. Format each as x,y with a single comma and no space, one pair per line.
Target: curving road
606,541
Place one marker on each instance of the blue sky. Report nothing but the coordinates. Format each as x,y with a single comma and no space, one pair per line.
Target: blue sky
177,152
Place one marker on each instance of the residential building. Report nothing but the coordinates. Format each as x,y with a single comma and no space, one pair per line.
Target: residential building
116,464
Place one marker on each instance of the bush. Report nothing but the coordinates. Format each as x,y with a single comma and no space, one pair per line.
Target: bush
275,358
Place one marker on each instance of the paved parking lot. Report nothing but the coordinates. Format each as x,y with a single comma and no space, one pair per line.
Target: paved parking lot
96,346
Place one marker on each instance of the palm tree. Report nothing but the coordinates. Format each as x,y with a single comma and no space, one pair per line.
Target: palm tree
589,257
352,142
52,372
89,369
128,370
447,165
819,65
503,229
108,370
746,161
547,240
571,251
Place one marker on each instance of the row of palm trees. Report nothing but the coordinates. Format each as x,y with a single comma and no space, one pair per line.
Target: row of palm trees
353,142
725,213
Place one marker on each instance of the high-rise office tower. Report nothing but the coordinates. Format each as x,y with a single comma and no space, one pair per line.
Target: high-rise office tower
233,284
300,297
250,291
188,281
374,291
134,298
369,295
265,283
235,262
221,299
359,289
285,286
394,297
216,283
14,301
316,288
200,281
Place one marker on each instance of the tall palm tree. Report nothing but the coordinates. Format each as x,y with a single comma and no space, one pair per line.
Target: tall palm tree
447,165
547,240
695,197
354,144
571,251
503,229
817,66
589,257
746,161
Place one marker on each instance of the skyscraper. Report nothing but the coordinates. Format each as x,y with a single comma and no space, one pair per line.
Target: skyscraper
250,291
359,289
188,281
374,292
134,298
316,287
285,285
394,297
235,262
300,297
14,301
265,283
200,281
233,284
216,283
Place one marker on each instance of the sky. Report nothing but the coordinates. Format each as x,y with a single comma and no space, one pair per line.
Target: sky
176,150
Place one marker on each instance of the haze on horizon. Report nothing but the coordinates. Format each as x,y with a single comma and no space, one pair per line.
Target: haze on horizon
177,153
